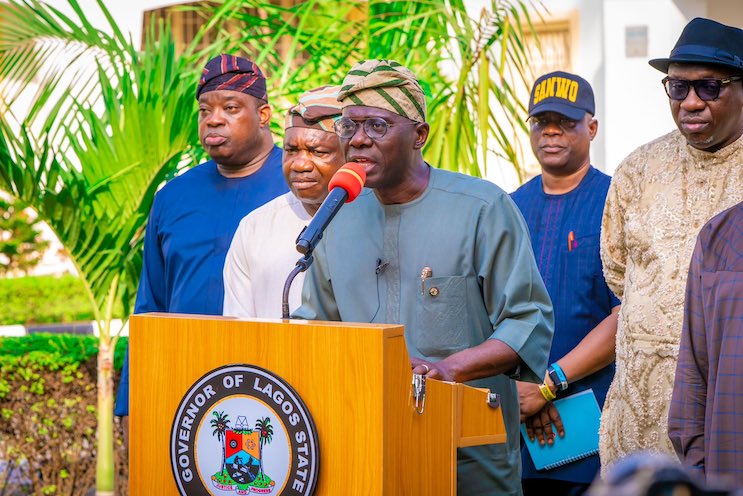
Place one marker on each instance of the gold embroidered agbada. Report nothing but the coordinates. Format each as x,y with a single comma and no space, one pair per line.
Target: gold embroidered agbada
659,199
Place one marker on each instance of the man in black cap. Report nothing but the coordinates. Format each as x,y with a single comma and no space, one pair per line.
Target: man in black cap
660,197
194,217
563,208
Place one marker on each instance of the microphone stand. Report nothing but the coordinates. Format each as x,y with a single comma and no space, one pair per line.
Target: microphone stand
348,180
302,265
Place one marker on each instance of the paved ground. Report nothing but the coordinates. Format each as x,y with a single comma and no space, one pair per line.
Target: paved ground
72,328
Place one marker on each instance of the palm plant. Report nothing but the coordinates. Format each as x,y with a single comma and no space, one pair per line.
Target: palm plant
470,68
220,424
265,430
106,125
91,126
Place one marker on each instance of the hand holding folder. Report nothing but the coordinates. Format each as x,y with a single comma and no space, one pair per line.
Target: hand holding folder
581,416
544,425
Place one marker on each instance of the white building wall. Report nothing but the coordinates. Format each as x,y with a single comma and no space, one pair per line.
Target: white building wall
128,14
636,105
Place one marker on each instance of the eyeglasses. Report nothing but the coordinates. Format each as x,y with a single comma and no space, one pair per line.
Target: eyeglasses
375,128
706,89
540,123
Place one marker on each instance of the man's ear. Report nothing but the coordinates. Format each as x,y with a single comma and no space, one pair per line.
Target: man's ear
264,111
593,127
421,135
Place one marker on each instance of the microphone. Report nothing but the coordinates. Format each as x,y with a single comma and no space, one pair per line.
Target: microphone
344,187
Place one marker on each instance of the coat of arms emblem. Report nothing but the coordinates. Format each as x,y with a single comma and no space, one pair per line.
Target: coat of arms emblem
242,430
242,454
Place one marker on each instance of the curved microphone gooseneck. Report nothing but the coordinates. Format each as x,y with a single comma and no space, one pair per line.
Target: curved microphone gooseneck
344,187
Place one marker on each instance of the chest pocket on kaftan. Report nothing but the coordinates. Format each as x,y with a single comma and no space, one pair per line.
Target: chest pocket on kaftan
442,316
580,271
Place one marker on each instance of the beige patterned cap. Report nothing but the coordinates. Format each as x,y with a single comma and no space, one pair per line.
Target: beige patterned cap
384,84
316,109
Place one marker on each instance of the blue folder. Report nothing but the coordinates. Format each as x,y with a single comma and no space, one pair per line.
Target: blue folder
581,416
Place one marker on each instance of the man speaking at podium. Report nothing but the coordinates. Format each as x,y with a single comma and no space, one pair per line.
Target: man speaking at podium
444,254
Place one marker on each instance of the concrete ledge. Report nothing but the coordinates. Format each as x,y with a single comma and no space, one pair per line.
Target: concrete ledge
13,330
66,328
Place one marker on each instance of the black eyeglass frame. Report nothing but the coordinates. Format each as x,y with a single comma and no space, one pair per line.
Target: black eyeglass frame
697,83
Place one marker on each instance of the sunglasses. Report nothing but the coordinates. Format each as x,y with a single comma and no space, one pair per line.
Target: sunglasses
539,123
706,89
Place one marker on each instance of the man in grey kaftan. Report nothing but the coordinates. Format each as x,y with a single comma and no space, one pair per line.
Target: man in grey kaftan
479,314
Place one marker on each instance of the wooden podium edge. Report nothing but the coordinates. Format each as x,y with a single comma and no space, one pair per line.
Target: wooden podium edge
463,410
389,330
479,423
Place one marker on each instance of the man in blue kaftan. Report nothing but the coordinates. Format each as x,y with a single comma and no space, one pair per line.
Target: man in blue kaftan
194,216
563,208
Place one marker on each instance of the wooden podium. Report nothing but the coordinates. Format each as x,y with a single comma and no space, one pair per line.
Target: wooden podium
355,380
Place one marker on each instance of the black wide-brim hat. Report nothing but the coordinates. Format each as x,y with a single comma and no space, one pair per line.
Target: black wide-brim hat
704,41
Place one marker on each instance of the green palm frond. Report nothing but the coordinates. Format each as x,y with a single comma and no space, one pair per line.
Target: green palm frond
461,62
90,160
106,125
91,126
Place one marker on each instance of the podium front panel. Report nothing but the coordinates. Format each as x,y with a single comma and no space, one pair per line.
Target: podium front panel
354,380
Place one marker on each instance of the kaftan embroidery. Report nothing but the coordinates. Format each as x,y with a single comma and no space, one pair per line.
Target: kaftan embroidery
660,197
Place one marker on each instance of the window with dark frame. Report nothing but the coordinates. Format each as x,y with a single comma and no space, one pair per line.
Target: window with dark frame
186,23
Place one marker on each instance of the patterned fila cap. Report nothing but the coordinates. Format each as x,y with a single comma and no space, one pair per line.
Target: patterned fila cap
384,84
317,109
229,72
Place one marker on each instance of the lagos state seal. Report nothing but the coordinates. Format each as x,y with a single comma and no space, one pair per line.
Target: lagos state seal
240,429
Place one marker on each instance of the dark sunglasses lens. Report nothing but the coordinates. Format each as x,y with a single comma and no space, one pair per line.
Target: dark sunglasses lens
677,89
707,90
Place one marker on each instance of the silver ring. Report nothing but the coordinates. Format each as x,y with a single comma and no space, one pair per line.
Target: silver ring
427,368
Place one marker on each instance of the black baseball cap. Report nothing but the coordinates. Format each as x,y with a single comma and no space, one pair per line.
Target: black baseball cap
564,93
704,41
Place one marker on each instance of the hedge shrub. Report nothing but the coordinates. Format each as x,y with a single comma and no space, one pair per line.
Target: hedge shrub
48,414
44,299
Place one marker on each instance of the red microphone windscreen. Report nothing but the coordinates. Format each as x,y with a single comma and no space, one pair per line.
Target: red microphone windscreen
351,177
